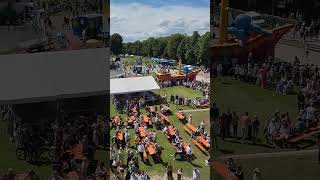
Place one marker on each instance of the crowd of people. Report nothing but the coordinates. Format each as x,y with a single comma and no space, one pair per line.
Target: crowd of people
284,78
236,170
145,140
306,33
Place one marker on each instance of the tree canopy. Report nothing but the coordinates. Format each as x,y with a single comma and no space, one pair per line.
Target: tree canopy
190,49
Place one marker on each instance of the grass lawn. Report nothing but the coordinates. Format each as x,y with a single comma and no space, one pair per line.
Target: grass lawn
133,61
294,167
242,97
159,169
9,160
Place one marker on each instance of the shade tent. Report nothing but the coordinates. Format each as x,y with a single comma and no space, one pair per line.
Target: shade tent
38,77
133,85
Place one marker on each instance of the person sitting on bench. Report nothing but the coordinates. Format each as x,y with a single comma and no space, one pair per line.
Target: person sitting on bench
180,151
284,134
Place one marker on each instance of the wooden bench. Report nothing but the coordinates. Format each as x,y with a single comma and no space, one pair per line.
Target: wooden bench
187,130
21,176
303,136
205,105
199,146
223,170
180,117
203,141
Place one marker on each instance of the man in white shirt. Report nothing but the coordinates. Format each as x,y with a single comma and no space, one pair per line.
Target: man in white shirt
195,174
140,149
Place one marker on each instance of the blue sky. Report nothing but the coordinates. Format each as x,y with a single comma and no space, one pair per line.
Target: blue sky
140,19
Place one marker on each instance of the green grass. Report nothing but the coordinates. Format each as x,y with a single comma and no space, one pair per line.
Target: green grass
158,169
133,61
242,97
295,167
9,159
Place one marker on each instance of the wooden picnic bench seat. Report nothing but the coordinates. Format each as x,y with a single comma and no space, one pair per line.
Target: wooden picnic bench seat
187,130
303,136
191,127
72,175
205,105
199,146
203,141
223,170
180,117
21,176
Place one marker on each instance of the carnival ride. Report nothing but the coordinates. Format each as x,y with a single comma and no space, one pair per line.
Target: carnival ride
244,37
163,75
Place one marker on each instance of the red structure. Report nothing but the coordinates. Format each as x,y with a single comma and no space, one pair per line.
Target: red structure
260,45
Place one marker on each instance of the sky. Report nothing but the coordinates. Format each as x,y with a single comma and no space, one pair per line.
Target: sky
140,19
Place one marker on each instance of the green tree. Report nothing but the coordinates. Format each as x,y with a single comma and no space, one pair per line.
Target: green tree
116,43
202,46
172,46
181,51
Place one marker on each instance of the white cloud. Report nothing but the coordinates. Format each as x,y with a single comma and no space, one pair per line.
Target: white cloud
137,21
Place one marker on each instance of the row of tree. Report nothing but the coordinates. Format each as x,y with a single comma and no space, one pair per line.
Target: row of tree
190,49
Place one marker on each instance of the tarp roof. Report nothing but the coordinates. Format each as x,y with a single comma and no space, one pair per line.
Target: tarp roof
133,85
37,77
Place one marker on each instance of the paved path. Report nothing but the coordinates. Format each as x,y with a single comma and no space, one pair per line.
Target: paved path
271,155
195,110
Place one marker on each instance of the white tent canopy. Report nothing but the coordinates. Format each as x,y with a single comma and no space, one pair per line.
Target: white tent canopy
39,77
133,85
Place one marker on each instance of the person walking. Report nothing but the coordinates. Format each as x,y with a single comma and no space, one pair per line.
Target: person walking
256,174
255,129
195,174
244,125
169,171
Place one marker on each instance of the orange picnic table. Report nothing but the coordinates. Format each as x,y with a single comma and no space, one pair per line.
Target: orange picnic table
203,141
223,170
142,132
120,135
171,131
21,176
151,149
303,136
179,115
191,127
